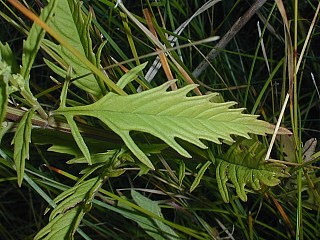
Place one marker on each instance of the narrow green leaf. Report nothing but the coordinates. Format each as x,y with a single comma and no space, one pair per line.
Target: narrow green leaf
129,34
130,75
182,171
56,69
21,140
36,34
60,142
152,206
72,206
316,155
64,91
200,175
78,138
170,115
98,63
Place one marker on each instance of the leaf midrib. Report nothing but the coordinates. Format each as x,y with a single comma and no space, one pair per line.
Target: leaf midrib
95,113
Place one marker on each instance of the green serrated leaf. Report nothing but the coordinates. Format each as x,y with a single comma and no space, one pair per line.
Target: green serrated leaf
73,196
21,140
60,227
70,22
72,206
36,34
170,115
243,164
152,206
200,175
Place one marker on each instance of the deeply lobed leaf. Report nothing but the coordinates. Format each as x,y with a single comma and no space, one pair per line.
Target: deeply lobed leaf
73,204
73,196
168,115
61,227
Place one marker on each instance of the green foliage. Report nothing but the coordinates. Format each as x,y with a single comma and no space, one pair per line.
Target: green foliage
157,126
166,115
32,44
75,202
21,140
70,22
74,196
72,205
199,175
243,164
62,226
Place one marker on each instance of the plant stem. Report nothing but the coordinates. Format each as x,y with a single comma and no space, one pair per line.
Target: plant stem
296,132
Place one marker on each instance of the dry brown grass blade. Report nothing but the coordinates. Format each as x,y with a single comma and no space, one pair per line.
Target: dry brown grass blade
289,48
162,56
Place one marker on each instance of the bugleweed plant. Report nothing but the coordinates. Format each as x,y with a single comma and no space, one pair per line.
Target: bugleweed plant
129,120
